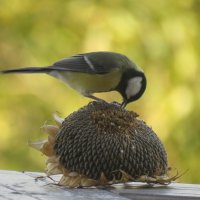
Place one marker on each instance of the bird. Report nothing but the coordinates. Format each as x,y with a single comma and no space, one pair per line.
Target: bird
95,72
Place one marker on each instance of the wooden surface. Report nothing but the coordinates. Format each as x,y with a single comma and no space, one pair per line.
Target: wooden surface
24,186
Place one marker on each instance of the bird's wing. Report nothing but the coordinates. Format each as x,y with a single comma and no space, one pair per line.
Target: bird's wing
93,63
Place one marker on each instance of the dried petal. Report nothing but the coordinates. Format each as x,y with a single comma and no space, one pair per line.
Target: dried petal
58,119
50,129
38,145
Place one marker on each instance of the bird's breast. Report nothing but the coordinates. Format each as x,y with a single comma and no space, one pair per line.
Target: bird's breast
91,83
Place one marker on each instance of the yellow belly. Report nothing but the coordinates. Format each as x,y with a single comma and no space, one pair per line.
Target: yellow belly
91,83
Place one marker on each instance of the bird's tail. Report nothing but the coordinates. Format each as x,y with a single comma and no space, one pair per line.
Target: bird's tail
27,70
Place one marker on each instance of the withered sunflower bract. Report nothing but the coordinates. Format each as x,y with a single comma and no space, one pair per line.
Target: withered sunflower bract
101,144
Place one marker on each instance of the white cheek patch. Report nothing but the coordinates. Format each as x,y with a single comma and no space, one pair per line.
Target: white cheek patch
134,86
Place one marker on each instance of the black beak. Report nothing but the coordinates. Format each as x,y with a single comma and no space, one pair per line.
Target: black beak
124,103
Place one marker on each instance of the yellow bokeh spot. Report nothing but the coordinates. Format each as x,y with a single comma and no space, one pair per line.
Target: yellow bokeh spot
5,130
181,101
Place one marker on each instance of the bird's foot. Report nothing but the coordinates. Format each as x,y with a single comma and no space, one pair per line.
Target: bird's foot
116,103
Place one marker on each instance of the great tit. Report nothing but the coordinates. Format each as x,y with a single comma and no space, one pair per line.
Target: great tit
95,72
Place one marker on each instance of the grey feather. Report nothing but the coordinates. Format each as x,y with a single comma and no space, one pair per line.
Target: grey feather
93,63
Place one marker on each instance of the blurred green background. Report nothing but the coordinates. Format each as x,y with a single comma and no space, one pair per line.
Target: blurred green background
163,37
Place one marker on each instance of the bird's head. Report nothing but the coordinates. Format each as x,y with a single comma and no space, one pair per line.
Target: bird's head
132,85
